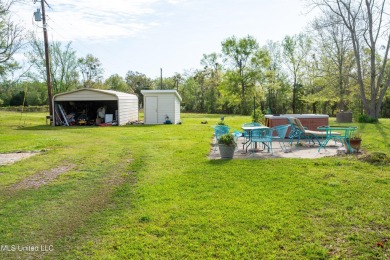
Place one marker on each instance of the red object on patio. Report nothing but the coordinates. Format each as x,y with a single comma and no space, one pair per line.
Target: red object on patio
311,121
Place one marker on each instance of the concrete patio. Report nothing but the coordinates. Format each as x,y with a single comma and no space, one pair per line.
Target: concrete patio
303,150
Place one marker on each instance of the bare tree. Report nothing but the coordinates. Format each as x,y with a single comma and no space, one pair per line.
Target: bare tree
63,64
367,22
11,34
337,55
91,69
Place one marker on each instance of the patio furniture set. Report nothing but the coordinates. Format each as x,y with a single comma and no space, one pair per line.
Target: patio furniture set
258,137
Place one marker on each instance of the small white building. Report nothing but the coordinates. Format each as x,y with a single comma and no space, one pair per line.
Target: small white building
160,105
115,106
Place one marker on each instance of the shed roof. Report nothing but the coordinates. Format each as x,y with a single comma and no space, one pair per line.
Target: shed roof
98,94
156,91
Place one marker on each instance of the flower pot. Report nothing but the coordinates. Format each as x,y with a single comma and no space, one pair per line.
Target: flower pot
355,143
226,151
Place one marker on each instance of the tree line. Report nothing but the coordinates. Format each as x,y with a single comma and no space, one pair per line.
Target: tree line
340,63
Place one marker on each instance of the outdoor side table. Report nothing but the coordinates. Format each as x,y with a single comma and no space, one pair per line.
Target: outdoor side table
344,134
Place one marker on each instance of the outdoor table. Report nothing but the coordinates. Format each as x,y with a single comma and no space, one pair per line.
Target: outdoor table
248,132
344,133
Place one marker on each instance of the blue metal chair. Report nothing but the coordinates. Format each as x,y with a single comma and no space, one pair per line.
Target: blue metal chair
237,134
245,135
281,131
218,131
263,136
295,132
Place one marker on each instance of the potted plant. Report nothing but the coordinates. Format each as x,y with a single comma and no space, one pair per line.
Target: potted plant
355,141
226,145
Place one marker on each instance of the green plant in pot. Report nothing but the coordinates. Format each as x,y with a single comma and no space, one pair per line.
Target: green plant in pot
226,145
355,141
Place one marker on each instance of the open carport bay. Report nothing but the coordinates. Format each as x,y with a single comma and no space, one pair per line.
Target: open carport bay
86,112
94,107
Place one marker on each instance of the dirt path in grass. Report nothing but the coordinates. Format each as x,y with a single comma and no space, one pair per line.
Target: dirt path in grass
10,158
41,178
70,216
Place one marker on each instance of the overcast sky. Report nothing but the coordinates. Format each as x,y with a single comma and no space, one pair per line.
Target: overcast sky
146,35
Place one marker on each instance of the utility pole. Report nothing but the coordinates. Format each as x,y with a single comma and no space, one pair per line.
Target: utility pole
46,42
161,81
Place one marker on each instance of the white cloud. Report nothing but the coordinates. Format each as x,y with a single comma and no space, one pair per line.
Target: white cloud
176,1
93,20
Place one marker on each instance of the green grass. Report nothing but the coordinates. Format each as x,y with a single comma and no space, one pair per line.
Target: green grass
149,192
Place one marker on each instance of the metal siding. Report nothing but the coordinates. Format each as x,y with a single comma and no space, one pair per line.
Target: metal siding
166,106
177,110
151,110
127,110
168,103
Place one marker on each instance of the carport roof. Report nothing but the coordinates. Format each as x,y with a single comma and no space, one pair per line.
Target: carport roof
98,94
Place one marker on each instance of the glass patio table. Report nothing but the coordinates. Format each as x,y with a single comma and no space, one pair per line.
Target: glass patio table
337,133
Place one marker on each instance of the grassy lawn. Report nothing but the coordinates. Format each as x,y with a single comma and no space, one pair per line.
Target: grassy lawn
149,192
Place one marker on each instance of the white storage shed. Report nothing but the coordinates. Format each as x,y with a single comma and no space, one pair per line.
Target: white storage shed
160,105
115,107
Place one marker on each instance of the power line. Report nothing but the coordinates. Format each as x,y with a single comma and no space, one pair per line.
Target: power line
85,48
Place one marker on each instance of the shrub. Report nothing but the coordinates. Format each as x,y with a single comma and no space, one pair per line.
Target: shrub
26,108
356,135
377,158
257,117
227,139
367,119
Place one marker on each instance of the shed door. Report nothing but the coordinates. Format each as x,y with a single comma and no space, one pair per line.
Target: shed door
151,110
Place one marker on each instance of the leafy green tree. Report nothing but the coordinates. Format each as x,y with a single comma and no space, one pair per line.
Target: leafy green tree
200,78
295,51
385,111
189,93
36,92
213,75
18,99
136,82
116,82
276,88
245,63
199,88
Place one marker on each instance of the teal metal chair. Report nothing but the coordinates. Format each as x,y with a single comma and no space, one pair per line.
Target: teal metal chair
237,134
245,135
281,132
263,136
218,131
296,132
